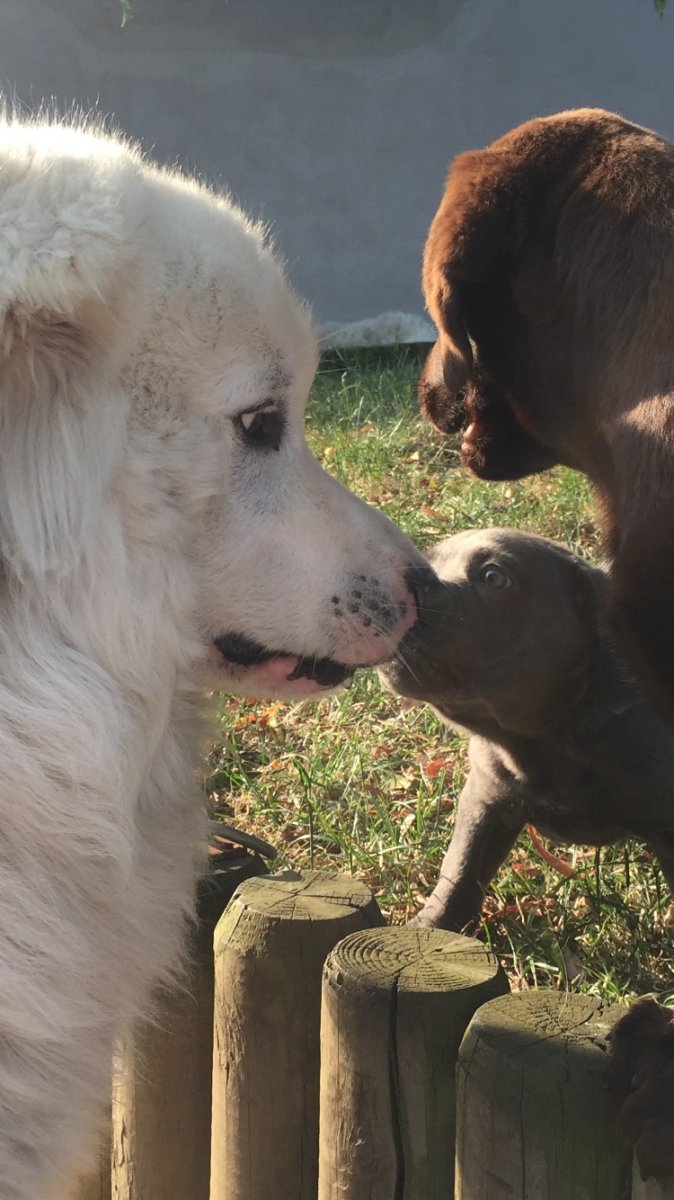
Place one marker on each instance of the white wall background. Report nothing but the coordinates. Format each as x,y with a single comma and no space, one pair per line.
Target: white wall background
335,119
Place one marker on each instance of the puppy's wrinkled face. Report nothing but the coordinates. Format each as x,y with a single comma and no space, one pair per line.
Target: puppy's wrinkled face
509,631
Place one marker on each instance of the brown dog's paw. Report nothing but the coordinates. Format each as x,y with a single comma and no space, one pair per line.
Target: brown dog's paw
641,1076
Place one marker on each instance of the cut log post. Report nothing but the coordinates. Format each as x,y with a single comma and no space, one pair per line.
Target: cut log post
396,1003
270,947
650,1189
161,1092
535,1119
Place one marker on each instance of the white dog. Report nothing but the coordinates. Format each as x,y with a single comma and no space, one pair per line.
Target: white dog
162,526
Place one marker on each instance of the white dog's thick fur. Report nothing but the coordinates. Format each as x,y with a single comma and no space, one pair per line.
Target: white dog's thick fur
162,526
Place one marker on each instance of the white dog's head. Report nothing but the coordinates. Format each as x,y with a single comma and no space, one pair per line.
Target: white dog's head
154,367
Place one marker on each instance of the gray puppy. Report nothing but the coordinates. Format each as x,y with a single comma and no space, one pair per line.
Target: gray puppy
510,646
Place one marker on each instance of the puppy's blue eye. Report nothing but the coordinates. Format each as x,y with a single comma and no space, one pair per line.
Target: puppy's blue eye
262,429
494,577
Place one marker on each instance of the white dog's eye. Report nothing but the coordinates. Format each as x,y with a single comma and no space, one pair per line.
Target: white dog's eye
494,577
262,429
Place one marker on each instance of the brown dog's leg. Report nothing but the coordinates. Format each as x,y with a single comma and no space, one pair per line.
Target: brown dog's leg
638,526
482,839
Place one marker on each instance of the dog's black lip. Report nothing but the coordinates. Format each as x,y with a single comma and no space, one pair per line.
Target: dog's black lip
324,670
243,651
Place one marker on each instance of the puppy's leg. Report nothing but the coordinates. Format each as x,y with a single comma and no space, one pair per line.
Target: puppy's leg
483,835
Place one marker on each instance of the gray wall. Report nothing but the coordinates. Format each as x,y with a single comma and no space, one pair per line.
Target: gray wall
335,119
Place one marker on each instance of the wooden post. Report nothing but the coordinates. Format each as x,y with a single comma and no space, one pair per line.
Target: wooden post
535,1119
270,947
161,1100
161,1092
396,1003
97,1185
650,1189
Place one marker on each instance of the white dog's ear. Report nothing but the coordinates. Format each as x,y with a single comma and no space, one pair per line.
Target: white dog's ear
66,252
71,215
41,351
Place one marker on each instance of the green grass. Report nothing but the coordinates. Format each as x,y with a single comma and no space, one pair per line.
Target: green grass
355,784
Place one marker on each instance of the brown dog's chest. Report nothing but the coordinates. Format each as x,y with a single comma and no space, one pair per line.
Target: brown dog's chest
573,802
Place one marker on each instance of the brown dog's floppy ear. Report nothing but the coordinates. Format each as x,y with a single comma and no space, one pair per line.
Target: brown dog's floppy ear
490,202
474,234
441,386
470,231
457,356
469,235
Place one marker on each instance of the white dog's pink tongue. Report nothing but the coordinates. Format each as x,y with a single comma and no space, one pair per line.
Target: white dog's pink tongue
276,672
280,667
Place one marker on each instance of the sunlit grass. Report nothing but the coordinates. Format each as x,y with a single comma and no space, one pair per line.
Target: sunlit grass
353,783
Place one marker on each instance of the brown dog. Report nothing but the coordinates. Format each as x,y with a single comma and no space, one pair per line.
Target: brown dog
510,646
549,270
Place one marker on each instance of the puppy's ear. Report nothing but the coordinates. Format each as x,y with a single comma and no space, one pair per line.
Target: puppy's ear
618,691
618,688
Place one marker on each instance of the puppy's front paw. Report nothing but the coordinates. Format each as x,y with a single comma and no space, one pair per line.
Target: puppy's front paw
450,913
423,921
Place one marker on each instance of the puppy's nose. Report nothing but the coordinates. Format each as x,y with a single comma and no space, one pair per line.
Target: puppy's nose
432,594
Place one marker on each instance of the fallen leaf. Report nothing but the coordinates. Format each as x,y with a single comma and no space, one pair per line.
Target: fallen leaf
434,766
552,860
